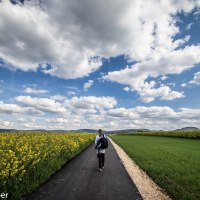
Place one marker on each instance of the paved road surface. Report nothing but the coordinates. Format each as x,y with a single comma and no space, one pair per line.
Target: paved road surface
81,180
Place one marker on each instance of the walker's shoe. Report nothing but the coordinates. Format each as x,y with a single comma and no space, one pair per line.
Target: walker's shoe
100,170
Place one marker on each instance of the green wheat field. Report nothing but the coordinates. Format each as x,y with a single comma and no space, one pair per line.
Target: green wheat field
173,163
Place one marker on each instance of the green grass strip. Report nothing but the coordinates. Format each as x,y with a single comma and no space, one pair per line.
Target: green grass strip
173,163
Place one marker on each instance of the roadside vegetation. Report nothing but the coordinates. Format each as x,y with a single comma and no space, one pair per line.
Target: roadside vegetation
29,159
173,163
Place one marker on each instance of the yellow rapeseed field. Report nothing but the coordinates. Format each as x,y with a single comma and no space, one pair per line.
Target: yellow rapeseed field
27,159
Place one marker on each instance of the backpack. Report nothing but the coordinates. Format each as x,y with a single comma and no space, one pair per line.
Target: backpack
104,143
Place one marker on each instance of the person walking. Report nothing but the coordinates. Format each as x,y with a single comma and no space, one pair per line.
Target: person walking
100,146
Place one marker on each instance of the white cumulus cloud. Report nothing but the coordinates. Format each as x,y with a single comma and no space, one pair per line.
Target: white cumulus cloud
126,89
90,104
170,62
29,90
7,108
58,97
88,85
196,80
41,104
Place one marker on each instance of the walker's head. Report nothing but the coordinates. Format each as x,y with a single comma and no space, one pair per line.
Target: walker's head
100,132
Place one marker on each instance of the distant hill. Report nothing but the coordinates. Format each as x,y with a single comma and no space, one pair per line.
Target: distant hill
68,131
8,130
128,131
88,130
188,128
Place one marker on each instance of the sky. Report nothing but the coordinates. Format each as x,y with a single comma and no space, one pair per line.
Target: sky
106,64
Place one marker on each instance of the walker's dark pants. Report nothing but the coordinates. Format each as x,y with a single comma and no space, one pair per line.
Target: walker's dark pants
101,157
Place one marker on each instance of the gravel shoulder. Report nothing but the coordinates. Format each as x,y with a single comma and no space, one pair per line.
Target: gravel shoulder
148,189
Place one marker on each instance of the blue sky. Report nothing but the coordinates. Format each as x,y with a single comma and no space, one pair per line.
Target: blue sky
85,67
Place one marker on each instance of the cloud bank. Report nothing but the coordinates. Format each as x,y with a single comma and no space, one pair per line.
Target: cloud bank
74,39
91,112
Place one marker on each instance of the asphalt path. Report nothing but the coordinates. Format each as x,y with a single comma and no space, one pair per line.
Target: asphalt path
81,180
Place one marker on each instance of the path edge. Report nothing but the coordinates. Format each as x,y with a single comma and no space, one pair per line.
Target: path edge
145,185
